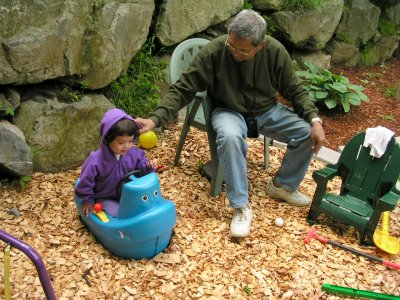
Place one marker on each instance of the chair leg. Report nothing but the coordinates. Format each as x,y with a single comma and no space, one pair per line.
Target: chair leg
182,138
266,152
366,234
312,216
190,114
216,179
217,176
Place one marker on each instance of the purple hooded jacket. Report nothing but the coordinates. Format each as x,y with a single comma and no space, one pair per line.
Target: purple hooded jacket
102,171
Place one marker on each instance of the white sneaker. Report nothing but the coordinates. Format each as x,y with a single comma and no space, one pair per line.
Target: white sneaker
241,220
296,198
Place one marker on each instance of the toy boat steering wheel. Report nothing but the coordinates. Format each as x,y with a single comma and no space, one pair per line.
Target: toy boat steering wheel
125,179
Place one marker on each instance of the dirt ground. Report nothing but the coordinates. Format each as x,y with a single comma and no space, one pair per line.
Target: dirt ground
381,109
203,262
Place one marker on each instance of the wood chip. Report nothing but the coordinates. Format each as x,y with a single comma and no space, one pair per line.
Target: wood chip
202,260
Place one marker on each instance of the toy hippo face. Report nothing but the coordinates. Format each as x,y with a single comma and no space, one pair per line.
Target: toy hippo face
139,195
149,196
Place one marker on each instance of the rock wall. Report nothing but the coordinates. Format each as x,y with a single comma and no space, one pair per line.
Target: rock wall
90,43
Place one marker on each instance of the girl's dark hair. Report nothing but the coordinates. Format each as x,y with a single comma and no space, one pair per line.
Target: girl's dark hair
121,128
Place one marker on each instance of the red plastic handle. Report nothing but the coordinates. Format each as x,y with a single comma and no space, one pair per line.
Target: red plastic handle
391,264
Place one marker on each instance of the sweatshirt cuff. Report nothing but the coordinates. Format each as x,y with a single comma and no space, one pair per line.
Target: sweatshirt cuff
156,120
87,201
311,116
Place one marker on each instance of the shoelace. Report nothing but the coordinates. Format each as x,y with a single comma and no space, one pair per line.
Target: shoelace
239,214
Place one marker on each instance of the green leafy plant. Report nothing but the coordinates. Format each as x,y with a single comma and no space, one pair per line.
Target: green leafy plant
301,4
387,27
367,54
330,89
342,37
137,92
247,290
272,28
387,117
247,4
8,110
23,181
390,91
67,94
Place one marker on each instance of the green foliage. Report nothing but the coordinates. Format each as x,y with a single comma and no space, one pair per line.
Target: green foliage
330,89
9,111
390,91
272,28
68,94
367,54
294,5
387,28
247,290
23,181
344,39
387,117
33,151
247,5
137,91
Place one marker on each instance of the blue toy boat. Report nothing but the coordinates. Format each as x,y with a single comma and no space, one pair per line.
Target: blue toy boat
144,224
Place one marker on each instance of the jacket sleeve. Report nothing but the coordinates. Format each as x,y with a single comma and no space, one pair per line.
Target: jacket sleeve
291,88
141,161
85,186
194,80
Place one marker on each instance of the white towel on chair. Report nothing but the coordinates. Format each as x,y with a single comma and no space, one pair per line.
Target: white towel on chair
377,138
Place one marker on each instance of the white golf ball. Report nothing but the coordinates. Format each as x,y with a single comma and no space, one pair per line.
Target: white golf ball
279,222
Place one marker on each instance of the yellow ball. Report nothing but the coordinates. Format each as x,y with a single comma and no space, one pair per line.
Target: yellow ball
148,139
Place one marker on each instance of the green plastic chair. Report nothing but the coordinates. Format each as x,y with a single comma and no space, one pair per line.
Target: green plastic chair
368,187
198,113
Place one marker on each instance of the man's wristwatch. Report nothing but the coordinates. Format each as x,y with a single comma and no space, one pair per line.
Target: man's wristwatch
317,119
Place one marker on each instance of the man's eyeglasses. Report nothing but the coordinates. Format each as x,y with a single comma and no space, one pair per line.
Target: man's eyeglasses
241,52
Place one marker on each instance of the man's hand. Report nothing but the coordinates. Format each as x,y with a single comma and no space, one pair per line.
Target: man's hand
317,136
147,124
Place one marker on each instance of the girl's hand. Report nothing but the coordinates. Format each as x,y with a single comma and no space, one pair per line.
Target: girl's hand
152,164
86,208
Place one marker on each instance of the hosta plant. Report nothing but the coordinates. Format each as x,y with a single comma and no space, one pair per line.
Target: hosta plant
331,90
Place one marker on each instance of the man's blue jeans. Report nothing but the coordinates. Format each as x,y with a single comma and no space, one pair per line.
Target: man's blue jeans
279,123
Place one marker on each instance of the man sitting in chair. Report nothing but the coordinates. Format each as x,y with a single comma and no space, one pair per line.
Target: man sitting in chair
242,71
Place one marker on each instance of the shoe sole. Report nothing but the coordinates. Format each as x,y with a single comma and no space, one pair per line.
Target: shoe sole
239,235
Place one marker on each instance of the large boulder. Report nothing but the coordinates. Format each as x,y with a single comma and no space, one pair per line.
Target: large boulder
345,54
15,155
61,135
380,50
268,4
309,29
180,19
392,13
317,58
359,22
84,41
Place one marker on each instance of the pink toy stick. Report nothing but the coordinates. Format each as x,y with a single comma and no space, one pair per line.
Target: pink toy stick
313,234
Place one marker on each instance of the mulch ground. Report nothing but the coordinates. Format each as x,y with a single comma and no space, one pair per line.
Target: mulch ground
202,262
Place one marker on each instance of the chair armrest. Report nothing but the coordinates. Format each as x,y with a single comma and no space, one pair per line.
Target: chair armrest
325,174
389,200
321,178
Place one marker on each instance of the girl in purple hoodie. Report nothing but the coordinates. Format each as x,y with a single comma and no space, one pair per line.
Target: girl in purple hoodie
103,169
